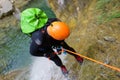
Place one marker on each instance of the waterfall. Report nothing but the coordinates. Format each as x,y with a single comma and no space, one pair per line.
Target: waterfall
45,69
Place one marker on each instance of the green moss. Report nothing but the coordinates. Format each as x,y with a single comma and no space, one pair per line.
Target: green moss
107,10
101,3
114,14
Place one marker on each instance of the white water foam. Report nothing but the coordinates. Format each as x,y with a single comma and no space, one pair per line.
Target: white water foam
45,69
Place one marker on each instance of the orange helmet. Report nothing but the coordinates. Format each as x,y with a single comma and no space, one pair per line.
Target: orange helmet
58,30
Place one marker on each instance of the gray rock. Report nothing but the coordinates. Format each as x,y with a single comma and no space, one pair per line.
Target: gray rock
6,8
109,39
16,13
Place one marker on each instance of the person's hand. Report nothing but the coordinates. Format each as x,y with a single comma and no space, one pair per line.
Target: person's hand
57,51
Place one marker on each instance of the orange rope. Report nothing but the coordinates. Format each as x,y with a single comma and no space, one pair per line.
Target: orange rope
112,67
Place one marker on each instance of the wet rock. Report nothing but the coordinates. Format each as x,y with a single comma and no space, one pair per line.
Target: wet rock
6,8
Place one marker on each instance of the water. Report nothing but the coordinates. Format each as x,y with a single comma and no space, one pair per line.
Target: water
14,52
45,69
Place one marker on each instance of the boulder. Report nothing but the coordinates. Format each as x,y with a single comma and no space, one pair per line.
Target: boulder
6,8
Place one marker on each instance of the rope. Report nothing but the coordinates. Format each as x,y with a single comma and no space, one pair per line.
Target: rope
109,66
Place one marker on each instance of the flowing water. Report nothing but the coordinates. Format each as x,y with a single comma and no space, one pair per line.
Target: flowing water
44,69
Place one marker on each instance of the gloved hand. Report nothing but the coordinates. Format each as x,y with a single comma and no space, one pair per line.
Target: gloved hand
57,50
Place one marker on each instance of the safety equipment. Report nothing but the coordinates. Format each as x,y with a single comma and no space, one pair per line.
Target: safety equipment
32,19
58,30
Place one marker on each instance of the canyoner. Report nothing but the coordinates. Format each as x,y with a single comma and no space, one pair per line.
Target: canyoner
47,35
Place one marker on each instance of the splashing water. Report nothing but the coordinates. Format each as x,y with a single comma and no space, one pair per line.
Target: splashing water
45,69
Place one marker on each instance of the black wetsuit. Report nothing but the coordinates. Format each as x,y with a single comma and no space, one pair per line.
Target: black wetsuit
42,44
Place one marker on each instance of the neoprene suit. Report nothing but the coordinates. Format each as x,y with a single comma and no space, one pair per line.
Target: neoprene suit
42,44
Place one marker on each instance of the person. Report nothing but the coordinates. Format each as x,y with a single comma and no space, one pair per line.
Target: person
49,38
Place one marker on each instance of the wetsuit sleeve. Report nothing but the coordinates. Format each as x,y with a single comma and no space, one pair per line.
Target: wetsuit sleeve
66,46
37,38
34,49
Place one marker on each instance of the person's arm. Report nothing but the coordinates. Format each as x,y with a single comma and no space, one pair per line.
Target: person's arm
37,38
66,46
34,49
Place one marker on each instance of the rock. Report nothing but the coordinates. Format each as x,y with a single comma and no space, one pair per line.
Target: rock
101,42
61,2
6,8
16,13
109,39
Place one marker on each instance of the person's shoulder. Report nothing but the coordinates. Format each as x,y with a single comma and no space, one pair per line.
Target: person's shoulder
37,37
37,34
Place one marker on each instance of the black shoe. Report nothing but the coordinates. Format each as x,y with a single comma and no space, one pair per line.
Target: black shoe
64,70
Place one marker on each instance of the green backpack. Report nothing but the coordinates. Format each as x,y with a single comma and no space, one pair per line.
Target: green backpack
32,19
